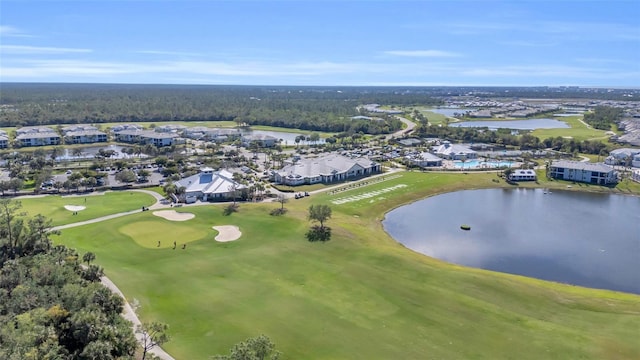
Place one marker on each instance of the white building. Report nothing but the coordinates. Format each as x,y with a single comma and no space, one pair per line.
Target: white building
211,134
170,128
209,185
144,137
454,151
592,173
83,134
262,140
37,136
423,160
326,169
523,175
4,139
623,156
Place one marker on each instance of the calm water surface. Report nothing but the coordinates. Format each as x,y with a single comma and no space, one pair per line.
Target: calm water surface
515,124
451,111
578,238
287,138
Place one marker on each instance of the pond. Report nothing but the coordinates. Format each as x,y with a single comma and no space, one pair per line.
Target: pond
90,152
287,138
478,164
579,238
531,124
451,111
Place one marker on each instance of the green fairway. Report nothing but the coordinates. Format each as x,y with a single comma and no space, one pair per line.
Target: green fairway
359,296
96,205
149,232
578,130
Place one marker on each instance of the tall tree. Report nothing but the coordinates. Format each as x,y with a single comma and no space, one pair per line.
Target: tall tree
319,213
153,334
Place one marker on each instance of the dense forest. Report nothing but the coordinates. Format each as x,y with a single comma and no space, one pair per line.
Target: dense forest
505,137
51,307
307,108
603,117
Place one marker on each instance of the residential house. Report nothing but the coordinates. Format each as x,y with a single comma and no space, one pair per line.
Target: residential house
635,175
424,159
326,169
144,137
262,140
4,139
37,136
211,134
209,185
83,134
523,175
170,128
592,173
451,151
624,156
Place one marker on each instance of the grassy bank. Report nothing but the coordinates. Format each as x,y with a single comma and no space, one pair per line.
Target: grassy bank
96,205
360,295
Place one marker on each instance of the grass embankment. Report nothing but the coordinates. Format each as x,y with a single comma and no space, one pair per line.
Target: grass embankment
577,130
359,296
435,118
97,205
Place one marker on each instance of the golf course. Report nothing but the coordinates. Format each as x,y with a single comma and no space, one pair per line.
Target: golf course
360,295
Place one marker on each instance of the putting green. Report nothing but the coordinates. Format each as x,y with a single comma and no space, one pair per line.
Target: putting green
147,233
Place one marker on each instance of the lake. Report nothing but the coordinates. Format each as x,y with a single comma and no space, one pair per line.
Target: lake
287,138
583,239
450,111
89,152
531,124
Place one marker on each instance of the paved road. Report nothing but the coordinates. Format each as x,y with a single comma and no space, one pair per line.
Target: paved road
410,126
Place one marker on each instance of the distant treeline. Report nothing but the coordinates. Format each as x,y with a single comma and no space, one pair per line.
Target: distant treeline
308,108
603,117
505,137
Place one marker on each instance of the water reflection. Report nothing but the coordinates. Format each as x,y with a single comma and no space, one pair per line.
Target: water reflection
578,238
531,124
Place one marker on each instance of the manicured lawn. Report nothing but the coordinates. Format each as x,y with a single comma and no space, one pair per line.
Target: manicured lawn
435,118
578,130
110,202
359,296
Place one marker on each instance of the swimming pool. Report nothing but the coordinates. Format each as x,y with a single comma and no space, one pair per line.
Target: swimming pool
478,164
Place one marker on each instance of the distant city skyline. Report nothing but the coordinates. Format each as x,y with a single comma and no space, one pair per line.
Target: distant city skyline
323,43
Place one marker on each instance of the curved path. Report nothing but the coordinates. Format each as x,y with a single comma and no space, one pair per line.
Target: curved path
410,126
128,312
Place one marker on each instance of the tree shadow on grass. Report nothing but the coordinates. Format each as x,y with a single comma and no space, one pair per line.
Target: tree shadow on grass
318,233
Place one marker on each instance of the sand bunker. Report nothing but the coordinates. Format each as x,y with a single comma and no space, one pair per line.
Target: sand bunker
227,233
174,215
74,207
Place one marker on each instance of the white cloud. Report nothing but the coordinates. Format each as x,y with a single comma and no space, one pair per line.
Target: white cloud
422,53
10,31
162,52
26,49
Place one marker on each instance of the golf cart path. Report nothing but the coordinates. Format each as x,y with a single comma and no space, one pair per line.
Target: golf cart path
130,315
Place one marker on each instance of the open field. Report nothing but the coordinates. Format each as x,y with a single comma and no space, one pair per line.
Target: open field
435,118
359,296
97,205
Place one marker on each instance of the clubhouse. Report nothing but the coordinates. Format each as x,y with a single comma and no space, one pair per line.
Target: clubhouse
326,169
209,185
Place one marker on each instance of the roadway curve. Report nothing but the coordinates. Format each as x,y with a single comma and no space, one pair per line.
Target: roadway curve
410,126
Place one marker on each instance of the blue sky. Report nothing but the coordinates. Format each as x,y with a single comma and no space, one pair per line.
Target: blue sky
405,43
